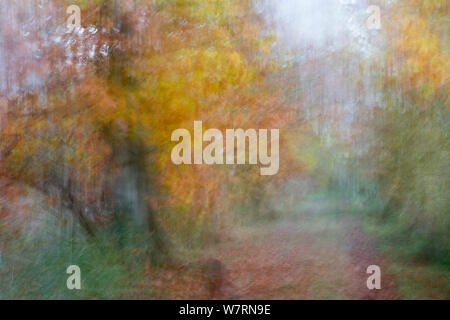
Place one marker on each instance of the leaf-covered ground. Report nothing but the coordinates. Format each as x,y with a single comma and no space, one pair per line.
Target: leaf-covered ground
316,251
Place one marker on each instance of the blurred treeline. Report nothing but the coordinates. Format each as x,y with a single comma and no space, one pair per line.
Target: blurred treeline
393,155
409,159
86,119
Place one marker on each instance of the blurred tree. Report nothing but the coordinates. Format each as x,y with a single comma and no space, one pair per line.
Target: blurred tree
412,150
97,139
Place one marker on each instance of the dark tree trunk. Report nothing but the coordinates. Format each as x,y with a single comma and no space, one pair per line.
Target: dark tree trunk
131,188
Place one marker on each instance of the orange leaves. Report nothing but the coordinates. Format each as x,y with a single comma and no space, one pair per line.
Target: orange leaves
132,77
424,63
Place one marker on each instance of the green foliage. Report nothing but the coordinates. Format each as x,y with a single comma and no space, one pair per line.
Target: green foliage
35,268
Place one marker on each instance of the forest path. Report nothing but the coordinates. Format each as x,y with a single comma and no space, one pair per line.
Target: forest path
314,251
